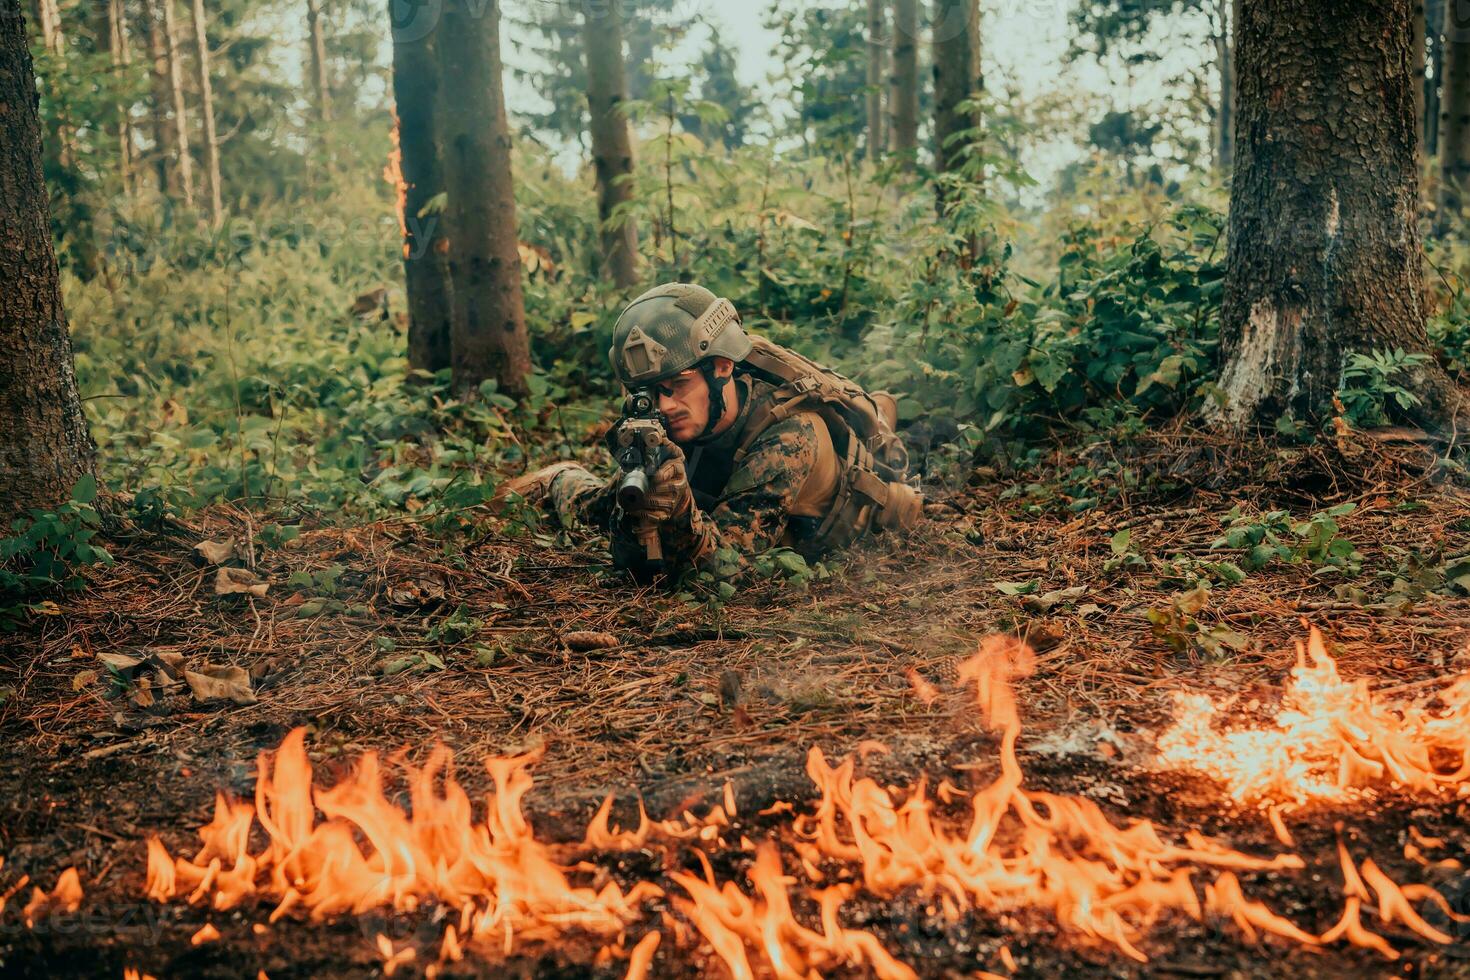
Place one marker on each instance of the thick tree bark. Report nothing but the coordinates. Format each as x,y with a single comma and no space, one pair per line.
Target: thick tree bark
183,162
1225,57
612,146
206,111
416,85
44,444
877,58
318,62
904,126
1324,256
489,333
165,138
1454,120
956,79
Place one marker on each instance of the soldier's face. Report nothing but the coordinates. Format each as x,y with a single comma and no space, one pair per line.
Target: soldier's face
684,400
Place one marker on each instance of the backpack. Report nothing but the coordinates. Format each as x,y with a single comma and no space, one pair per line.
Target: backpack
873,491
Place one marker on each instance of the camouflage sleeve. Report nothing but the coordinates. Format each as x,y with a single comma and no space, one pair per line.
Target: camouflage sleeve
577,496
752,514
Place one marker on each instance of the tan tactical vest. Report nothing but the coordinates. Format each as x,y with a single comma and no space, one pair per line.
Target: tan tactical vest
860,481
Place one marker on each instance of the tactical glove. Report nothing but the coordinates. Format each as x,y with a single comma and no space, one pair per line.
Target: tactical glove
670,497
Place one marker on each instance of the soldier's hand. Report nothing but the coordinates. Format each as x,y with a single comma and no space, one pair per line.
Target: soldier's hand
670,497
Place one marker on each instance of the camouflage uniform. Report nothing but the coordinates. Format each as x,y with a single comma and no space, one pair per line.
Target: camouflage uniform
772,476
740,509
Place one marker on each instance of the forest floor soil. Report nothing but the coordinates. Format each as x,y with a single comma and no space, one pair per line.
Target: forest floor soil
691,696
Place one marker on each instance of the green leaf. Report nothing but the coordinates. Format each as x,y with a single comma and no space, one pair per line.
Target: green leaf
1017,588
1120,542
86,489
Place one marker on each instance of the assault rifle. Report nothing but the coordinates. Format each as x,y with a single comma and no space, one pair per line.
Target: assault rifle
638,443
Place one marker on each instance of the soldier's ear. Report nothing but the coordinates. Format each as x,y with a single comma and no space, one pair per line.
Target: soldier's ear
724,367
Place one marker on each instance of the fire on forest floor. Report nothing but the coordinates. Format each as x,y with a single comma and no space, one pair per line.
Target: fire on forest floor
347,849
691,698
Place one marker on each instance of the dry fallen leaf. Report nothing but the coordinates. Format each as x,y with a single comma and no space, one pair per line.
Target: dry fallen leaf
1044,602
216,552
142,695
239,581
420,591
169,663
120,662
214,683
581,641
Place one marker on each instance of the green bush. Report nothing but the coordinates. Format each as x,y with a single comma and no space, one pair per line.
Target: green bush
47,552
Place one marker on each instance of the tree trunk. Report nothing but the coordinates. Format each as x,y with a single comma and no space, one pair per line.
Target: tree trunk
122,59
905,88
44,444
183,162
319,62
877,49
489,333
48,24
206,110
1324,256
1454,120
416,86
1434,23
612,147
1225,55
1416,67
165,138
956,79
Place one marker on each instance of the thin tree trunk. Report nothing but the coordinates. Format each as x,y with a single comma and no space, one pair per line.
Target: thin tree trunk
183,162
877,52
1454,121
206,111
1434,21
1324,256
122,59
47,17
318,62
612,146
956,80
416,86
489,333
44,444
164,136
1225,55
1416,66
905,89
61,156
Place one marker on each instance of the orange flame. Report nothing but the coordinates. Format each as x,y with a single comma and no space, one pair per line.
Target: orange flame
1332,736
498,875
65,897
347,848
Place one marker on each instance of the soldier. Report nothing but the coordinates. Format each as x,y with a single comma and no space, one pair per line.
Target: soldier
760,447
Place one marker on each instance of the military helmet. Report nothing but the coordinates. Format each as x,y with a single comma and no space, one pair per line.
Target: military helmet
672,328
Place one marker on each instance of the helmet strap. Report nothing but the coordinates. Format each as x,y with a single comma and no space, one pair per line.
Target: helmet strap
716,387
